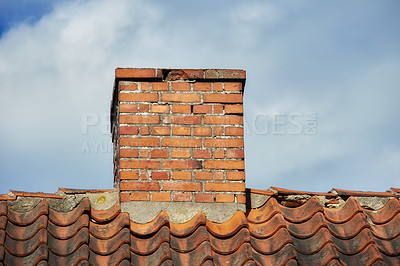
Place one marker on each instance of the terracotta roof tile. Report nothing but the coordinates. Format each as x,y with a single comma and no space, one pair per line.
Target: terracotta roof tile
138,229
230,245
189,227
23,219
195,257
64,232
190,242
35,194
385,214
122,254
161,255
303,212
229,228
22,233
84,191
284,191
25,247
344,213
67,218
102,216
111,245
148,245
65,247
343,192
273,244
368,256
310,234
80,256
109,230
7,197
41,253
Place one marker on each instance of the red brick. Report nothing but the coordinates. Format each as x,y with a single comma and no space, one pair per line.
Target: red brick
182,164
184,119
181,131
144,130
203,86
219,154
180,153
128,85
183,109
202,109
180,142
143,142
139,119
224,197
180,97
144,175
201,154
144,86
226,143
135,73
232,86
161,196
219,175
218,131
203,175
140,164
160,175
217,86
182,186
223,98
241,199
125,197
128,153
180,86
224,186
128,108
223,164
160,108
143,107
202,131
234,109
232,175
160,131
138,97
129,175
159,154
159,86
218,109
234,131
140,196
144,153
138,185
224,120
181,175
125,130
234,154
200,197
182,197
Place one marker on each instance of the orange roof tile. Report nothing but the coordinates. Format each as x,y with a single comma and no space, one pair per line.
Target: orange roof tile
273,234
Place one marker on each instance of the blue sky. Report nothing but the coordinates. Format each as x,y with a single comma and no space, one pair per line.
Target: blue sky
321,98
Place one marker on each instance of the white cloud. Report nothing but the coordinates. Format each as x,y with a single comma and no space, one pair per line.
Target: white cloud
61,67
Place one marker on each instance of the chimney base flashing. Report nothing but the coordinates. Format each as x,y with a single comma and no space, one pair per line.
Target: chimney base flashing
180,212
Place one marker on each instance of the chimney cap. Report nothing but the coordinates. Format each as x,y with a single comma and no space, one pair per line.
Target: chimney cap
170,74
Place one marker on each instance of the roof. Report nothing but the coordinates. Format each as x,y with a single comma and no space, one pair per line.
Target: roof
313,232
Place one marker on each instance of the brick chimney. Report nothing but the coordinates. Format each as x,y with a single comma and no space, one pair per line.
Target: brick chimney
178,142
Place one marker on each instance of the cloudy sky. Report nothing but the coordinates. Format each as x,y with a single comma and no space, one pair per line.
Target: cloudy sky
321,98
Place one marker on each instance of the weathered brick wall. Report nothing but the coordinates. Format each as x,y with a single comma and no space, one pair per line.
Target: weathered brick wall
178,135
